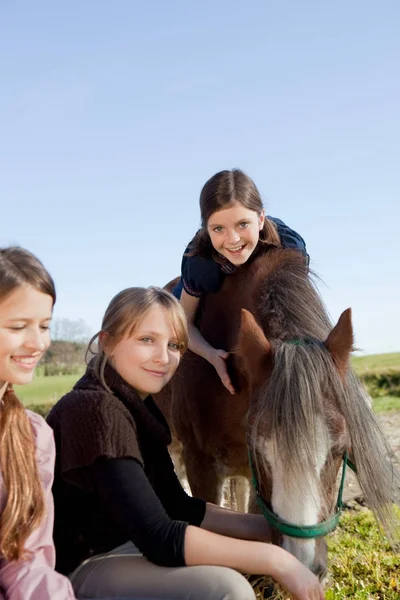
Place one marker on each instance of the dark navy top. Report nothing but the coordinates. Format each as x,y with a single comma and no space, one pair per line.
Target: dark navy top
200,275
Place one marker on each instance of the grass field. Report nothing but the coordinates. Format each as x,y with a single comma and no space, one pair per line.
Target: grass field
46,390
376,362
386,403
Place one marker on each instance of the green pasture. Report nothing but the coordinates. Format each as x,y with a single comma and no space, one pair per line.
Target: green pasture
386,404
46,390
376,362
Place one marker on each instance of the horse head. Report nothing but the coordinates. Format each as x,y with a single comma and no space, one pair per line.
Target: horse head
298,431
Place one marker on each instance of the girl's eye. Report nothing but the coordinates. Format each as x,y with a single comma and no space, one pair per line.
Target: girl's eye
17,328
45,328
146,339
218,228
174,346
243,224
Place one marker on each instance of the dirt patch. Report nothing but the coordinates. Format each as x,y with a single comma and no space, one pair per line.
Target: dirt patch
390,425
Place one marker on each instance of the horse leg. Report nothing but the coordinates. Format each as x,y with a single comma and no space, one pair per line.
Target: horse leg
176,453
230,496
242,494
202,474
236,493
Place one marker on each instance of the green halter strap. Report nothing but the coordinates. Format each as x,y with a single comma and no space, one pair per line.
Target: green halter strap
301,531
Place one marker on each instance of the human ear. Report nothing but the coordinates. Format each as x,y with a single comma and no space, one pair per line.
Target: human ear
261,219
105,343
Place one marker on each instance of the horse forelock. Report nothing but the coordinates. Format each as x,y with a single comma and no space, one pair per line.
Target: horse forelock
295,413
290,406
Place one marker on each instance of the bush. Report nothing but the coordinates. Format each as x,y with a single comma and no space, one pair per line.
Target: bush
41,409
63,358
49,369
385,383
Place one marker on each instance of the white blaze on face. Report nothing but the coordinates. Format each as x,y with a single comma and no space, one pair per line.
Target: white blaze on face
301,510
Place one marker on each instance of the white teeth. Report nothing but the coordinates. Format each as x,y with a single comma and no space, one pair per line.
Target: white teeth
27,361
235,249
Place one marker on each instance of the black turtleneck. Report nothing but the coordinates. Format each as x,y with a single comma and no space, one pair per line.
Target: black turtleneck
114,479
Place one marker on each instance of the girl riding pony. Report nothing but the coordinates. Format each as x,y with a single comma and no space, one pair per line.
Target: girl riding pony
234,230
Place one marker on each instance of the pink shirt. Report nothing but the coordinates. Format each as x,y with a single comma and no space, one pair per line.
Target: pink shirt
35,578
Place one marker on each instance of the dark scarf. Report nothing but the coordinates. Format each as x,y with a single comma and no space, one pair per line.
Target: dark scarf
145,412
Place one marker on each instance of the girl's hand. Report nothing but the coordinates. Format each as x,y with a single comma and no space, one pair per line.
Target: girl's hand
299,581
218,360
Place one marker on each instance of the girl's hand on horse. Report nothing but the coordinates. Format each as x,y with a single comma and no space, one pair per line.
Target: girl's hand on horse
218,360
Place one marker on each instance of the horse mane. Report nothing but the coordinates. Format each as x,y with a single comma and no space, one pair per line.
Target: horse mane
305,386
283,279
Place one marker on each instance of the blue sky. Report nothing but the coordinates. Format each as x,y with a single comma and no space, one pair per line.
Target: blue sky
114,114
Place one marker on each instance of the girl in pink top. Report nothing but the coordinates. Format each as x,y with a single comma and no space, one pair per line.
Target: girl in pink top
27,555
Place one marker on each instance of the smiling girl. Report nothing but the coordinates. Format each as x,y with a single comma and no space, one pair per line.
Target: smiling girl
234,229
27,297
125,528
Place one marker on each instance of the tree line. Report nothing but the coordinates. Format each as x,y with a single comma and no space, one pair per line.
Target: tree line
66,355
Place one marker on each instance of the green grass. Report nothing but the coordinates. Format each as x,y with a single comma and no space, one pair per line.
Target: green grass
376,362
46,390
362,565
386,404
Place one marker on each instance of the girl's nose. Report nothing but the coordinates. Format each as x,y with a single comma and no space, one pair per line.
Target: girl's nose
35,340
162,355
233,237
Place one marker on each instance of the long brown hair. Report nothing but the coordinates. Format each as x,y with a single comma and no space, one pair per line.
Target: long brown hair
221,191
24,507
123,314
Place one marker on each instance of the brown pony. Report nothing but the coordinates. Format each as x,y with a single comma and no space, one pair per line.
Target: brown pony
298,406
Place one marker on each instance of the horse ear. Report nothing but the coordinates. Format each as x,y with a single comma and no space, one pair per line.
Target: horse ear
254,349
340,341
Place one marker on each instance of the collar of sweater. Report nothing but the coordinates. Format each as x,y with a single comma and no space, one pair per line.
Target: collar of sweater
145,412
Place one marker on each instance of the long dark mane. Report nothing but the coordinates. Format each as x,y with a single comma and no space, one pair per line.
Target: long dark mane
306,386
